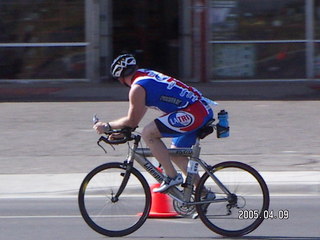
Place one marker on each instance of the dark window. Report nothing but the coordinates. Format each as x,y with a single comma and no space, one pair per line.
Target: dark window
40,22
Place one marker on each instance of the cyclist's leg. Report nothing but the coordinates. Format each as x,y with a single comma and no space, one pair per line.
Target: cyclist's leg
182,163
184,124
152,136
184,141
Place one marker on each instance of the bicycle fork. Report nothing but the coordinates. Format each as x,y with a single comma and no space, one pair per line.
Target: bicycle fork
126,176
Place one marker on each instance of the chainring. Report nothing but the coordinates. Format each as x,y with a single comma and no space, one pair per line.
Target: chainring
184,210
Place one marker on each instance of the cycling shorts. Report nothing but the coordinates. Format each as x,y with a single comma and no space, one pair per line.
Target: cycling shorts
183,125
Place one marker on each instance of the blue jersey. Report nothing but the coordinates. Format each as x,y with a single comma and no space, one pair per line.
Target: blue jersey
165,93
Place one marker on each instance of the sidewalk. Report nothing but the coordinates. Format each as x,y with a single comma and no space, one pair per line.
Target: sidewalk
304,183
235,90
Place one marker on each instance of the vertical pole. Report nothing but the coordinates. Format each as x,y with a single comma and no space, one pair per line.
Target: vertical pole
310,38
200,39
105,38
92,38
196,38
185,54
204,41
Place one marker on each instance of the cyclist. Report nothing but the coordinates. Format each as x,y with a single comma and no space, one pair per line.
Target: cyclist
185,112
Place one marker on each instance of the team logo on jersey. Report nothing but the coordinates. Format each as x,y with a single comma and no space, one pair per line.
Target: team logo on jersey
180,119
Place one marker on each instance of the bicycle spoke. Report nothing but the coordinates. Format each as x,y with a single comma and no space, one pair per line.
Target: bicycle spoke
100,208
249,193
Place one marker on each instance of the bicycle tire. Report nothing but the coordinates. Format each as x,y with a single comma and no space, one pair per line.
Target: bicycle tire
246,210
114,218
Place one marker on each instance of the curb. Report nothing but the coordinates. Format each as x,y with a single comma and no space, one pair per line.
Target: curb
67,185
113,91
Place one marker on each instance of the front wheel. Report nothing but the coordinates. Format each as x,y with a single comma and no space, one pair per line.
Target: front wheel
108,214
240,209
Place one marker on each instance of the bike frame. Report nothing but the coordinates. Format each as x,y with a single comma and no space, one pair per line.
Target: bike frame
141,155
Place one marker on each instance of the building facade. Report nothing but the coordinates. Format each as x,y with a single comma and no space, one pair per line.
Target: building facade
194,40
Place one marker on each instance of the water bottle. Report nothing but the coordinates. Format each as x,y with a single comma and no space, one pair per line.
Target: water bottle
223,124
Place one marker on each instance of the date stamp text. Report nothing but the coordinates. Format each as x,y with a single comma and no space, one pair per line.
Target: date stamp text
246,214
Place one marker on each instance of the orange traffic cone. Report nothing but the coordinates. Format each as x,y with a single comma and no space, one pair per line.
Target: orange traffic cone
160,207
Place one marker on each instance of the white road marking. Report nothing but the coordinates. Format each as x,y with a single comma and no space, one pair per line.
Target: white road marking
40,216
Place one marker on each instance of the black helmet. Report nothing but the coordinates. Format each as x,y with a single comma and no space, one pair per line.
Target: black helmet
124,65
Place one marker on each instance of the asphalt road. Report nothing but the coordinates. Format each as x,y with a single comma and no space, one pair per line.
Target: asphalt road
59,218
56,138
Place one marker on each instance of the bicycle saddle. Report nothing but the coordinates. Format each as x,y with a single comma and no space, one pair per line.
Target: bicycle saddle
206,129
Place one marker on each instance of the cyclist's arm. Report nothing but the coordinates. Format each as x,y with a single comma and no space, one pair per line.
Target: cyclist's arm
137,109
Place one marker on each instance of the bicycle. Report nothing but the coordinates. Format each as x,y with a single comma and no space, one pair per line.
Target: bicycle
115,199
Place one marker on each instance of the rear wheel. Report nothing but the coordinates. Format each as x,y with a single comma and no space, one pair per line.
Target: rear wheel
239,212
103,211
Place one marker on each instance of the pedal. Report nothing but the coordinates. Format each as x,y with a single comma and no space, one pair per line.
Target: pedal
184,185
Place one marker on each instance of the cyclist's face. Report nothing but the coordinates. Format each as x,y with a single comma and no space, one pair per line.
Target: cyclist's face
122,80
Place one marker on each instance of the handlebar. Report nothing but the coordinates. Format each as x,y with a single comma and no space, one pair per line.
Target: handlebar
126,132
127,136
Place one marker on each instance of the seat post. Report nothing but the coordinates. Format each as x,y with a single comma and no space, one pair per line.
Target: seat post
196,149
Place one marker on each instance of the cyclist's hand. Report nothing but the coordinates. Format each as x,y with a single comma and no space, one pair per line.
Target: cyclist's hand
101,127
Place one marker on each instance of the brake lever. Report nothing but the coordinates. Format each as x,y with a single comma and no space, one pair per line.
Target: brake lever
95,119
105,151
104,140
